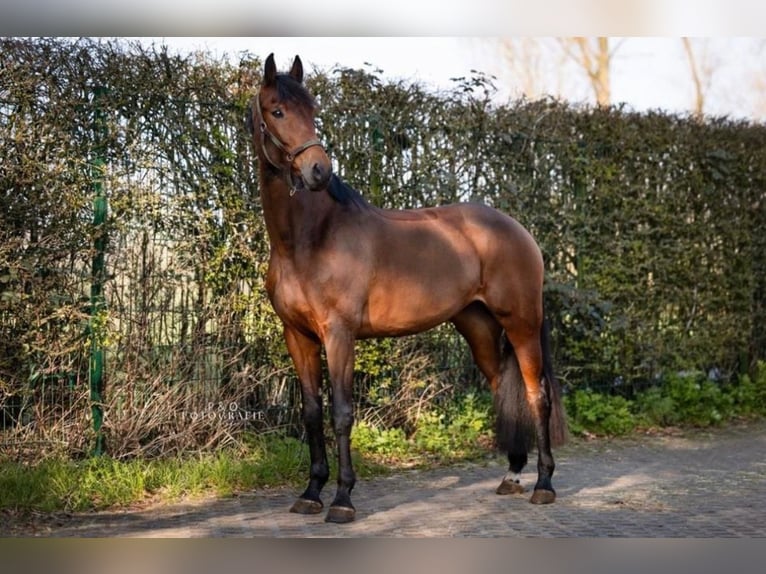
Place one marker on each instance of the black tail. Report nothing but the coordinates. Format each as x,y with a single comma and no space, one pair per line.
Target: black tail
514,420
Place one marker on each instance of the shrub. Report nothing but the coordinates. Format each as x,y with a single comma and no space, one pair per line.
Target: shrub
655,408
388,443
449,432
697,400
454,430
749,393
599,414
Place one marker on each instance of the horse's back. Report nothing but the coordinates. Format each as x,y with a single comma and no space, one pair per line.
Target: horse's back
433,262
494,235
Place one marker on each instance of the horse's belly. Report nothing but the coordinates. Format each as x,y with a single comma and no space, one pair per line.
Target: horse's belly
404,310
421,280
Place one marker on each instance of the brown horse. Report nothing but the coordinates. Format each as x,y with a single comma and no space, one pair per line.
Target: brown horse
341,269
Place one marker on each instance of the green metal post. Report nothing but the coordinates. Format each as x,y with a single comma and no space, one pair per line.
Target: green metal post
97,301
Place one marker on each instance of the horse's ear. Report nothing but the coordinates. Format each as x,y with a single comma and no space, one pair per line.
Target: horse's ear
297,70
269,71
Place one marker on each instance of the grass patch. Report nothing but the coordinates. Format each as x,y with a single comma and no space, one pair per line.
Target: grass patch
59,484
456,432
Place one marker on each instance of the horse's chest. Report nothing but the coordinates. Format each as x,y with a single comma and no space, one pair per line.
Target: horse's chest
288,296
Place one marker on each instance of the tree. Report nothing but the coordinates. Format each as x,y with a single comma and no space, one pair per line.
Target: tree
546,66
535,65
701,66
594,57
759,83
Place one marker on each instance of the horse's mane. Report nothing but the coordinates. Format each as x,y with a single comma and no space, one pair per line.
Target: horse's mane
344,194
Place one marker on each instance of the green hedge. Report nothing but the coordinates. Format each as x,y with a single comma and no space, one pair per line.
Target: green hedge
651,223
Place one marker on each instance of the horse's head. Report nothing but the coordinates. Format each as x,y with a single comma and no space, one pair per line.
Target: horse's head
281,120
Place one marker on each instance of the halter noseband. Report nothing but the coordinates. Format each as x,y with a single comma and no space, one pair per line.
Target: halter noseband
289,155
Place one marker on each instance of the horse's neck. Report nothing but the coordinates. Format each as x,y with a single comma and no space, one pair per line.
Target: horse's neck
290,219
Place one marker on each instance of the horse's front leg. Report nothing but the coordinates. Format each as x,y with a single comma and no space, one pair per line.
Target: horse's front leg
339,346
305,353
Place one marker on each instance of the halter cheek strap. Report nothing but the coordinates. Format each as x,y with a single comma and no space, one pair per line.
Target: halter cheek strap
289,155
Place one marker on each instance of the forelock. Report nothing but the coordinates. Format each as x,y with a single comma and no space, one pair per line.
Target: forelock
290,90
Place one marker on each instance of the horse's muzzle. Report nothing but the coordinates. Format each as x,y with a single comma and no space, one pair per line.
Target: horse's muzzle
316,174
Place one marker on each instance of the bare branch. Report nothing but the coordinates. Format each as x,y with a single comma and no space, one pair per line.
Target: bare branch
594,60
699,95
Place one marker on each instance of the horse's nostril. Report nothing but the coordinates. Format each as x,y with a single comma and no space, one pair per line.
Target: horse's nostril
319,172
316,175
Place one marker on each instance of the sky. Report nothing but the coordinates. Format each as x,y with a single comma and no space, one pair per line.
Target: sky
647,72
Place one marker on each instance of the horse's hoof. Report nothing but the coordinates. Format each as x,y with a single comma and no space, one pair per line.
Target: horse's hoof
543,497
340,514
510,487
306,506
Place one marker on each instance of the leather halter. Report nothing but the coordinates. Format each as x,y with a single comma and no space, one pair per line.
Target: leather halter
289,155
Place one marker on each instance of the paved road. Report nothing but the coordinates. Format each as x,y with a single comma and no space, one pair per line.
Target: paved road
694,484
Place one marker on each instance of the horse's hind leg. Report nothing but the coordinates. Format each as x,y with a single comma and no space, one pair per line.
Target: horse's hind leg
484,336
305,353
524,336
482,332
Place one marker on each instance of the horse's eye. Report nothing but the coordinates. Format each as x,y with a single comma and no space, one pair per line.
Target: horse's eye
277,113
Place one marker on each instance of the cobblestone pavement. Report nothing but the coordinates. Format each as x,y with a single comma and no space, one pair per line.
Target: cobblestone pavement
694,484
